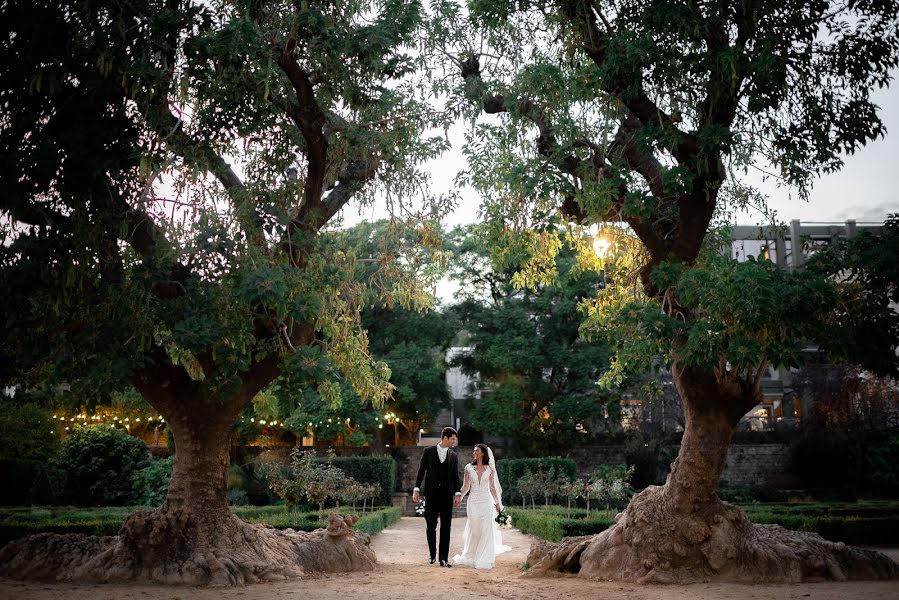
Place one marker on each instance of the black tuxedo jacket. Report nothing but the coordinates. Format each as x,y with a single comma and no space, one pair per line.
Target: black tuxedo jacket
430,471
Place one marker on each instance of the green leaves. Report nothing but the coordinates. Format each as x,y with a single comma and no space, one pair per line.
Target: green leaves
864,326
539,374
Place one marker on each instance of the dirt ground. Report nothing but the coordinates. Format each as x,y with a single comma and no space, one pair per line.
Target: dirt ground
403,574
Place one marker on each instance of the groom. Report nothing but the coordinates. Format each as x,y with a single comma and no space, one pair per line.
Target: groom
440,471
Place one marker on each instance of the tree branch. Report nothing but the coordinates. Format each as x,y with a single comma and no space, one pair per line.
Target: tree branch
583,14
311,121
171,130
595,169
353,176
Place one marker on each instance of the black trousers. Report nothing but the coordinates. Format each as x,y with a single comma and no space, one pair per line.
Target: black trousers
439,506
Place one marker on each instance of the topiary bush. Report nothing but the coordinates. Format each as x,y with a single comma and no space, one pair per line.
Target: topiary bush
95,466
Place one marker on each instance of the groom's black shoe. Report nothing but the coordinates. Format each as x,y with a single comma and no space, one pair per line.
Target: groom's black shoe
444,563
432,560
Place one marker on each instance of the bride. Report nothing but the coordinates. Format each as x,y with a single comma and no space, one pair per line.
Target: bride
481,538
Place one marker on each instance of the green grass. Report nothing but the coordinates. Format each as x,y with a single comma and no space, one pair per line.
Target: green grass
866,522
18,522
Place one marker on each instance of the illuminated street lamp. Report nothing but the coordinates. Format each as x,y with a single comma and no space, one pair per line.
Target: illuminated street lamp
601,245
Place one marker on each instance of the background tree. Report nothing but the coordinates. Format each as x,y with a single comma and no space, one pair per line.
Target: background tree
643,113
850,428
865,323
540,376
133,252
411,342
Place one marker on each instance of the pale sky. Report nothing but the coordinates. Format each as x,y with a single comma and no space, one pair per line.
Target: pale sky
866,189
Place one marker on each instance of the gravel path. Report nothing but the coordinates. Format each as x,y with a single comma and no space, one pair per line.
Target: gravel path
403,574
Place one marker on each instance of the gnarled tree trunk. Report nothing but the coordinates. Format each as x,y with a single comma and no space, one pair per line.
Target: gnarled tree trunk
194,537
681,532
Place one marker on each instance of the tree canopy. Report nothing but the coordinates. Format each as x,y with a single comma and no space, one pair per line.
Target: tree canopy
170,171
132,241
538,375
646,113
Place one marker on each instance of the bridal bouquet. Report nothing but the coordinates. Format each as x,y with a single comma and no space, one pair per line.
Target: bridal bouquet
504,520
420,508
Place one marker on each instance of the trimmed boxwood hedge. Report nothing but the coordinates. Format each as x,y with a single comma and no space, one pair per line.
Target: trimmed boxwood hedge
16,523
874,522
554,523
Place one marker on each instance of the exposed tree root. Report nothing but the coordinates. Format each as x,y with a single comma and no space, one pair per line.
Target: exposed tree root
165,547
651,542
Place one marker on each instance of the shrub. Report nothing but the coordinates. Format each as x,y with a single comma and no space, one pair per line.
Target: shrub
822,458
554,523
740,494
380,470
151,483
651,461
882,462
237,497
94,467
26,432
18,477
20,522
316,480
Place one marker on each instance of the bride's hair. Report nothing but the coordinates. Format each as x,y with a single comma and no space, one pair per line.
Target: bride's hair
485,456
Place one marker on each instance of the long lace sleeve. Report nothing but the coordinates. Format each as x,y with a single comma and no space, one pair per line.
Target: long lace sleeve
466,483
496,498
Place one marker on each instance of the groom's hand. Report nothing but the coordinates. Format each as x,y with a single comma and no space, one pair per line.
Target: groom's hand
457,501
415,496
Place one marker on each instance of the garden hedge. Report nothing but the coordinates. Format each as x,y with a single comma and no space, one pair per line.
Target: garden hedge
20,522
371,469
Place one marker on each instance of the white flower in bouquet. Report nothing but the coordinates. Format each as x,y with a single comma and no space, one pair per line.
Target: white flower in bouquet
504,520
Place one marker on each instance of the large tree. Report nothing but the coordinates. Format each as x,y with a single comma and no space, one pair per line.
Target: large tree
135,254
643,113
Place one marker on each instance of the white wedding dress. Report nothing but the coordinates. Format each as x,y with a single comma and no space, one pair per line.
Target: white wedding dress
481,539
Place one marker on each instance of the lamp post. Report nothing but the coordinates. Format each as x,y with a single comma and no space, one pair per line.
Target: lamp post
601,246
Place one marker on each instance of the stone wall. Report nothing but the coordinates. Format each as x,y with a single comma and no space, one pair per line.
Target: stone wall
407,469
756,464
747,464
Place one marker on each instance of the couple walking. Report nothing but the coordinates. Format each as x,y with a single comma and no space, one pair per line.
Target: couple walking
439,471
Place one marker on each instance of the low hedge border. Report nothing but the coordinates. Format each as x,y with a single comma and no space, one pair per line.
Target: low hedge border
871,523
17,523
554,523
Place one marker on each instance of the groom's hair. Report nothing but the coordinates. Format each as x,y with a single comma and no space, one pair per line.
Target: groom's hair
448,432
